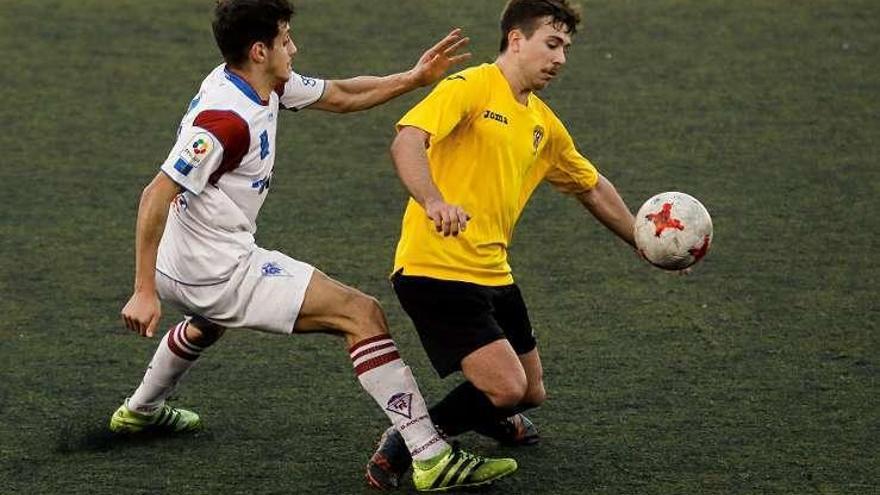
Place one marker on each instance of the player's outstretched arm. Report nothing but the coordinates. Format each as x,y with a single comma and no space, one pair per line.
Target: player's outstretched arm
608,207
411,162
142,312
363,92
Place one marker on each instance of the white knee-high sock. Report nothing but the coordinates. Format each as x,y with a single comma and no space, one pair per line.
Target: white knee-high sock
391,384
173,358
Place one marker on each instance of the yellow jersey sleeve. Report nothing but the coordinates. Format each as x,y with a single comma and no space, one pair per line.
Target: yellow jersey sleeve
569,172
451,101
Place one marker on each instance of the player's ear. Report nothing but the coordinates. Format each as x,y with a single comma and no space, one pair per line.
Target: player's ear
514,38
259,52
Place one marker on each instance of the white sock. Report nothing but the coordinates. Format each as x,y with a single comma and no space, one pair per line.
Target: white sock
174,356
391,384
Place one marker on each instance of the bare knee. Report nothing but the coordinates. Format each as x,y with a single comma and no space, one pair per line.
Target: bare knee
203,333
535,393
496,371
364,317
535,396
507,394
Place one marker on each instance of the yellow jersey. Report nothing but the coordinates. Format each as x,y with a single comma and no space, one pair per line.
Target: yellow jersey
487,153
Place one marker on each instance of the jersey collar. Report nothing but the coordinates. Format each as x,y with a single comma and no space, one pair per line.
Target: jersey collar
244,87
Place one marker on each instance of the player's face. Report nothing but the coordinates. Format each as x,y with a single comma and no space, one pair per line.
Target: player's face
282,52
543,54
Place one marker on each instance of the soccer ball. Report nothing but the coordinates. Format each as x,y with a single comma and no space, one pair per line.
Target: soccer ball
673,230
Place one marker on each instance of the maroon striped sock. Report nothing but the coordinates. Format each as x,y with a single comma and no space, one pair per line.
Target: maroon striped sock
389,381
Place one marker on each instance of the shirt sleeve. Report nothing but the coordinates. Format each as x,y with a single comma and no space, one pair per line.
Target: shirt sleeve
213,144
451,101
300,91
570,172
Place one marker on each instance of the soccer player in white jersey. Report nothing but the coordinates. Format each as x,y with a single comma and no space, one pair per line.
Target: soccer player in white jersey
195,243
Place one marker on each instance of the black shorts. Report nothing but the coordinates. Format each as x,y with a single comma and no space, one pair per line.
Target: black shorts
454,319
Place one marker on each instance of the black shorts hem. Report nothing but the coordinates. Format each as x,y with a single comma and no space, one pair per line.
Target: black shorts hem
454,319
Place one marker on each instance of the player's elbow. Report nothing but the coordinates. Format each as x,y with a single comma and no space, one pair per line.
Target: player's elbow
338,99
339,105
350,103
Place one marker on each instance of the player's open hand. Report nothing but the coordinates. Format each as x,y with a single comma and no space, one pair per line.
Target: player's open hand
448,219
436,61
142,312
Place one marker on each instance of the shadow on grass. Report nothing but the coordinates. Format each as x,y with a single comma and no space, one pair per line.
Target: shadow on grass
73,438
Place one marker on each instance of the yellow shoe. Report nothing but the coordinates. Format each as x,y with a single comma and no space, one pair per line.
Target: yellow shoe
167,419
456,468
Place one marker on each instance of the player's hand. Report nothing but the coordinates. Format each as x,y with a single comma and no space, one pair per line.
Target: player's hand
448,219
142,312
436,61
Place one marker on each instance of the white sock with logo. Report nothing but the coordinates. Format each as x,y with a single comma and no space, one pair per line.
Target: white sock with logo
391,384
172,359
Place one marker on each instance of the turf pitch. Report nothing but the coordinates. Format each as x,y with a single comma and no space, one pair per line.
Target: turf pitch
757,374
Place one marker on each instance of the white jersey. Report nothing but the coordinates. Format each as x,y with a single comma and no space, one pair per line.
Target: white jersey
223,158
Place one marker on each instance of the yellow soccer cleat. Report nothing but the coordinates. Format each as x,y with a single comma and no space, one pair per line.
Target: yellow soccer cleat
166,420
456,468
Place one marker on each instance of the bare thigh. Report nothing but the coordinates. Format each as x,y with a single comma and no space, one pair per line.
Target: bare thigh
333,307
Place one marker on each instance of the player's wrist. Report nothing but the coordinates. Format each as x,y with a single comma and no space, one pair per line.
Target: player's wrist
144,288
411,79
432,202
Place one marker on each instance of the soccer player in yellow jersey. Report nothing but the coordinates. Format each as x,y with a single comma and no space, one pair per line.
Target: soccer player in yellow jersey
471,154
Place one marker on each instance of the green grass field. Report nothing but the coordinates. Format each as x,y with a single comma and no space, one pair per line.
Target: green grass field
758,374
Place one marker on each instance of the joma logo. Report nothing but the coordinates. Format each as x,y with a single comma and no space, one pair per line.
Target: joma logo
489,114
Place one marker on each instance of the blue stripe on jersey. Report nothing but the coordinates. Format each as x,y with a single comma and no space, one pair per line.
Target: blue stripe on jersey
245,88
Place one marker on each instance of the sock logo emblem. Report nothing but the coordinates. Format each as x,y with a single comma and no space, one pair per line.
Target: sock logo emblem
400,403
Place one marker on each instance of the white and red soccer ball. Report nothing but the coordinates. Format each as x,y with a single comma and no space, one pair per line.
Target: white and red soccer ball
673,230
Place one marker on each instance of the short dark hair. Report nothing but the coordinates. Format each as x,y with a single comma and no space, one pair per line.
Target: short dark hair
238,24
526,14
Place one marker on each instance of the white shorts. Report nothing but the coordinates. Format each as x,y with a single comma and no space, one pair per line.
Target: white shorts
265,292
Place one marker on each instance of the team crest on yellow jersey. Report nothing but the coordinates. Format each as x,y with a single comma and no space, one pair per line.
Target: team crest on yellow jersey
537,136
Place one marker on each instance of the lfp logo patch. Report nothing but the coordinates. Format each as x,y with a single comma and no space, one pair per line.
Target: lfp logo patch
200,147
194,153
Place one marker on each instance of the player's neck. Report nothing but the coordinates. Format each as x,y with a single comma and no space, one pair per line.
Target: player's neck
260,81
514,78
